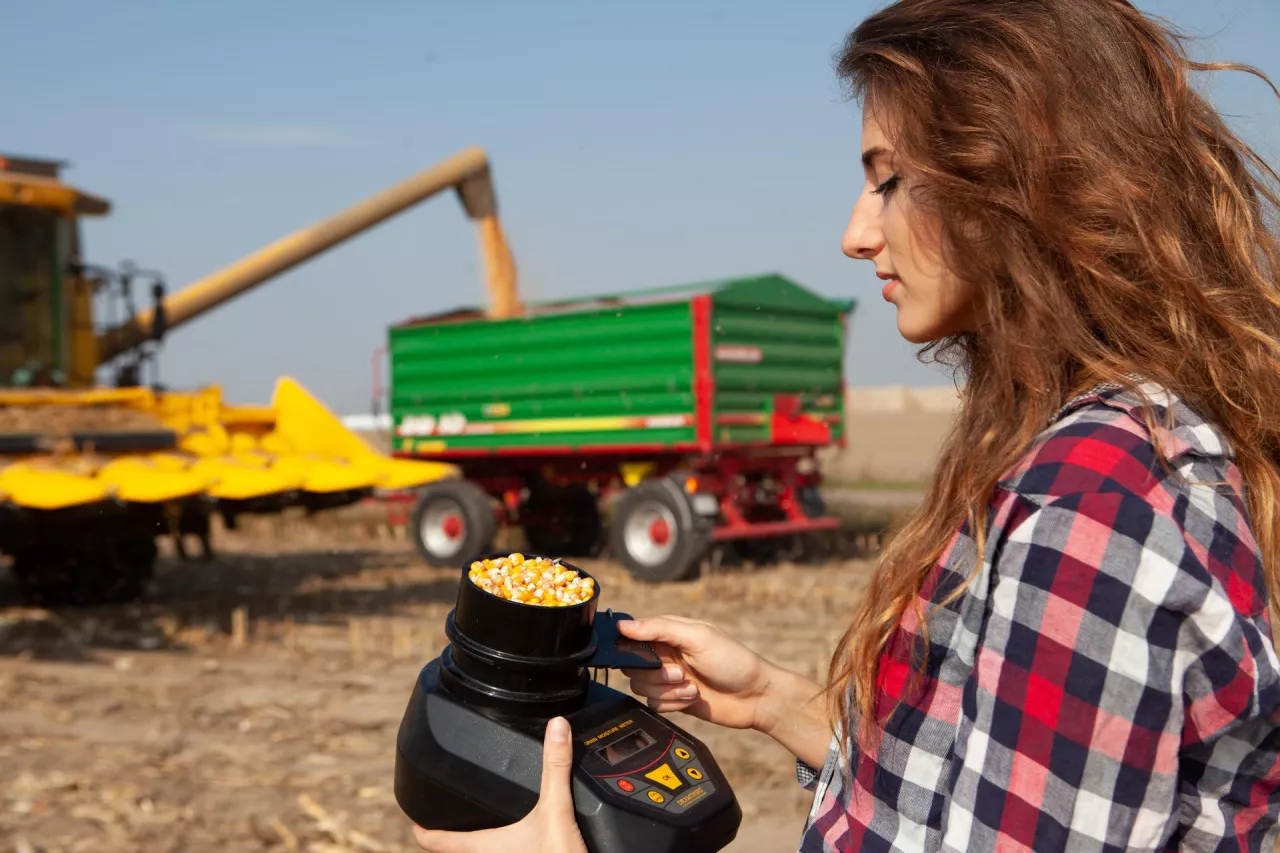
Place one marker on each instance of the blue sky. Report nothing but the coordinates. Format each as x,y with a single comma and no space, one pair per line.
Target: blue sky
633,145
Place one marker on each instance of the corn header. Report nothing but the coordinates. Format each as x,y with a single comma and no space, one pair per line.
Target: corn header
93,473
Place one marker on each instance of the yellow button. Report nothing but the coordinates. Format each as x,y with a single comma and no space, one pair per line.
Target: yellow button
656,797
664,776
694,773
682,754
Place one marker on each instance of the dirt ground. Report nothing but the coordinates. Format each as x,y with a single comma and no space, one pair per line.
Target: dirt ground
252,703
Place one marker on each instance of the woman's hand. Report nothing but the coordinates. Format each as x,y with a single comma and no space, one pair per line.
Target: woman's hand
711,676
705,673
549,828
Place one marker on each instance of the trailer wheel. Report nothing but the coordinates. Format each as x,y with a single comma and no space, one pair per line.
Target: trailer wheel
563,522
453,523
654,532
114,571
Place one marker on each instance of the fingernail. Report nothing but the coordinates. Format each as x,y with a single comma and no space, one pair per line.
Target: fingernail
688,691
673,673
558,730
626,623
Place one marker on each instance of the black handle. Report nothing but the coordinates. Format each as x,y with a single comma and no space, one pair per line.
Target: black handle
614,651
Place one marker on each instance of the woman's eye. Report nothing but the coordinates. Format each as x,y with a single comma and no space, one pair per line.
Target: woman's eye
887,188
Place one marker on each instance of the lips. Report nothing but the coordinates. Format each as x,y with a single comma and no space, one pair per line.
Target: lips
891,283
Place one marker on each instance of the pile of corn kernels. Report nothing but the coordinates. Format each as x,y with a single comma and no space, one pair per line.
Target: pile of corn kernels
532,580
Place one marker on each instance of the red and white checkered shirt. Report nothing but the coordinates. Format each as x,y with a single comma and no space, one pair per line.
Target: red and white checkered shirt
1108,680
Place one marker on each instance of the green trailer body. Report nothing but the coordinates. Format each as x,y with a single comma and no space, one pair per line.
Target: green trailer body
740,363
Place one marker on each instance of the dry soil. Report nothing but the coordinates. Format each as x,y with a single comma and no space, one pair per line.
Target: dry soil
251,704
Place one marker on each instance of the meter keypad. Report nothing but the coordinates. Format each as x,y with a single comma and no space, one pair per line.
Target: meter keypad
650,765
643,793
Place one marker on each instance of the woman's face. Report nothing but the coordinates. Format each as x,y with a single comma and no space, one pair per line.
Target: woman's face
903,241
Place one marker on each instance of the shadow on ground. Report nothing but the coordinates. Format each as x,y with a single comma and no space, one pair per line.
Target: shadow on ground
291,574
328,586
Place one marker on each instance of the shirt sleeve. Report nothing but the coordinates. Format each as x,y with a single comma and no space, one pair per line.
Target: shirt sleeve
1110,654
806,776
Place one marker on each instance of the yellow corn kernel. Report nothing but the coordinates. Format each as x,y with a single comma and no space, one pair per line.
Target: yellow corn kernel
531,580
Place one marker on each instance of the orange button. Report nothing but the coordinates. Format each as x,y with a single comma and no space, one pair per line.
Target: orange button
656,797
682,754
694,773
625,784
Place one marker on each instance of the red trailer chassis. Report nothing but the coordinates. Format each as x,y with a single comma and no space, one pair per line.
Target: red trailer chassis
683,498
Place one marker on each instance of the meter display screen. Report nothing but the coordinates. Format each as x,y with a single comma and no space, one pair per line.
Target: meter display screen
624,748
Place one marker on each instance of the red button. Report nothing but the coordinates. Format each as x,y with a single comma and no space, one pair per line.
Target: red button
625,784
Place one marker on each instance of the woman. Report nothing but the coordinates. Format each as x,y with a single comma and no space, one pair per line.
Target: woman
1069,647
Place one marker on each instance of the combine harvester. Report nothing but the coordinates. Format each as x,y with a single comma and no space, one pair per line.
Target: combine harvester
91,474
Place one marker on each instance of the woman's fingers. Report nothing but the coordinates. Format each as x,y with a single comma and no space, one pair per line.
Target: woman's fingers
669,674
684,635
684,691
666,706
668,682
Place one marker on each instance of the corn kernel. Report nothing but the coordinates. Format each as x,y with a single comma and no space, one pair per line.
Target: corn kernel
531,580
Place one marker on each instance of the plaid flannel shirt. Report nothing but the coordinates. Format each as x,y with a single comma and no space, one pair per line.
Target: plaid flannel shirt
1107,681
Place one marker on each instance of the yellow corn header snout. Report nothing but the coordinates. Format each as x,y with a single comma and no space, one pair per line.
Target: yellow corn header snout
133,445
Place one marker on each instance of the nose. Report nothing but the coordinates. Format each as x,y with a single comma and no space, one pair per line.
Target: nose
864,236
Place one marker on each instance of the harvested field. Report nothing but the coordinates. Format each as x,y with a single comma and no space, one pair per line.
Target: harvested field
252,702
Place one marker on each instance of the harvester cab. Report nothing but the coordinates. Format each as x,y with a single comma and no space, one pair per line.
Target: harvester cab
46,293
92,473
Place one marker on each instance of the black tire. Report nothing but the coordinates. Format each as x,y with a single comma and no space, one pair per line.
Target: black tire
453,523
563,522
112,571
651,552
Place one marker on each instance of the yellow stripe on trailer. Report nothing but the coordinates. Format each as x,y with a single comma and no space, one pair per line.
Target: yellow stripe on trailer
596,424
609,423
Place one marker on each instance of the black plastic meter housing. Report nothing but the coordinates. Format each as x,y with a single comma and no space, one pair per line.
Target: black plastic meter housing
469,749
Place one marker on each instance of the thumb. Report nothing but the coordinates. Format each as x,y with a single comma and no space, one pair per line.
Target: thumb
677,633
437,841
556,796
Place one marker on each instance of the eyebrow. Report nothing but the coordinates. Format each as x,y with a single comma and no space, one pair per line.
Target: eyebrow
872,154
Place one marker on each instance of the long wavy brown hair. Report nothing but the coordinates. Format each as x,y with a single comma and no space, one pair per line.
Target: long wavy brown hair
1114,225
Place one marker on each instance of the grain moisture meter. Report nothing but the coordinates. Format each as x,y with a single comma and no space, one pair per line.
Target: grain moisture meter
469,749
